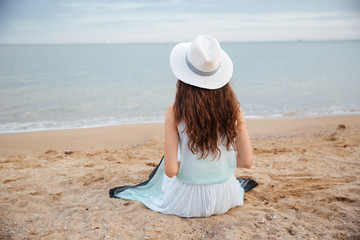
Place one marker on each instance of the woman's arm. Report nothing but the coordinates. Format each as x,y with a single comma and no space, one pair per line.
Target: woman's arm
171,167
244,158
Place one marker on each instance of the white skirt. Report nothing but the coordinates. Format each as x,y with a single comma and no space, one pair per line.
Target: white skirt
171,196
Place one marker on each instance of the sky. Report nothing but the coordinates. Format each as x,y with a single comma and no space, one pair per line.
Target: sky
110,21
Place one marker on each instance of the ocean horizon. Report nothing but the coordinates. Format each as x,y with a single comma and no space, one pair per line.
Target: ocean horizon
65,86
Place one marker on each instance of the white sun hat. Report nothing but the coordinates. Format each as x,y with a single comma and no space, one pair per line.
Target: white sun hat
201,63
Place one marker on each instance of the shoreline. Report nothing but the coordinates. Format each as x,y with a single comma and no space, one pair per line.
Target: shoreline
120,123
112,137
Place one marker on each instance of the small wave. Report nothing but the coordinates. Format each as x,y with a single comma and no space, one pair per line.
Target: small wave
302,113
16,127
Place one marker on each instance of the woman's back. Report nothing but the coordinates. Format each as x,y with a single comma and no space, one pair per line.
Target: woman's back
209,170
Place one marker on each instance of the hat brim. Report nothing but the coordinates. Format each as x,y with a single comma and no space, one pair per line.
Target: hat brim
186,75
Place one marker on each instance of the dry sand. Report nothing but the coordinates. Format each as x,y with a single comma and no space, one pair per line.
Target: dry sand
308,172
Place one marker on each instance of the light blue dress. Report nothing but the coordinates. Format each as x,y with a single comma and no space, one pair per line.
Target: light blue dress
203,187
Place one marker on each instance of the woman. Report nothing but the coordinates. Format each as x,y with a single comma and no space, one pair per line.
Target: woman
205,139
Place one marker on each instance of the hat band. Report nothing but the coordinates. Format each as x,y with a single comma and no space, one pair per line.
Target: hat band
197,71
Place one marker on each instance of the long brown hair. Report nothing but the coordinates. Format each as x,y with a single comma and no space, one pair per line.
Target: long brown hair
210,116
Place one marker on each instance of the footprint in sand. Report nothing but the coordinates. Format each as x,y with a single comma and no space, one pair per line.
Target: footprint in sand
56,196
298,184
9,180
337,199
272,150
38,193
51,152
151,164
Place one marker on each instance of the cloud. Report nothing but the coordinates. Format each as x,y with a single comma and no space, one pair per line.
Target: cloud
106,6
117,6
173,21
220,20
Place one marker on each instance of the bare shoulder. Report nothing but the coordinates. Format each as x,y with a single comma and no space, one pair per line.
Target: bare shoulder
170,116
240,115
170,107
170,111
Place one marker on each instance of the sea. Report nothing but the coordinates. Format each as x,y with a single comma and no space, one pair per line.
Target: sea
55,86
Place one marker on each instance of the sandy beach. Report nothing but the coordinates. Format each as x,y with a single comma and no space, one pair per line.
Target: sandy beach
307,169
